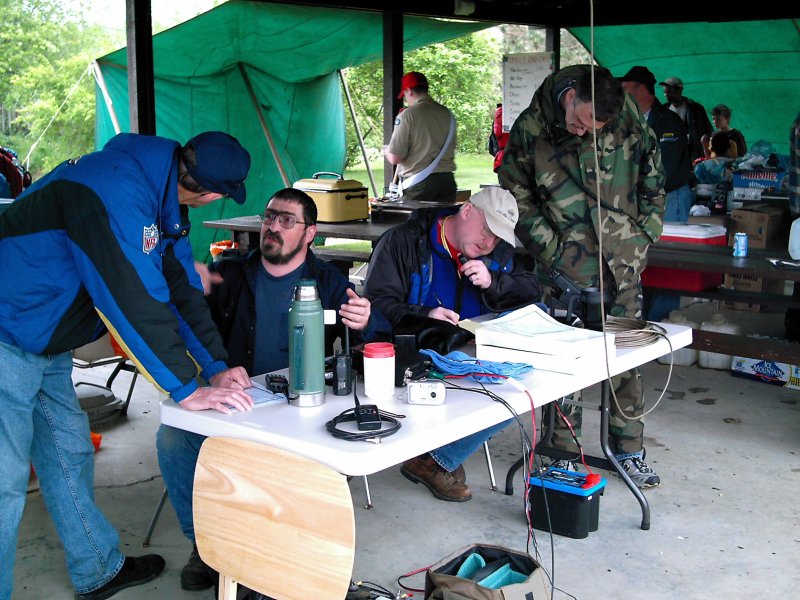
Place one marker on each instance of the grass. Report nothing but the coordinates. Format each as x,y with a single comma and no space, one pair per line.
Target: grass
471,171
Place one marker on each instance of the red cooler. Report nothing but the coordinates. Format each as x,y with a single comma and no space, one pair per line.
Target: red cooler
682,279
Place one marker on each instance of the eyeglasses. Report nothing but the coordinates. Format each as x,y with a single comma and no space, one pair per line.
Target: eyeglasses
285,220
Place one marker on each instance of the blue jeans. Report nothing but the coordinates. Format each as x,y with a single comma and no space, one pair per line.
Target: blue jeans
450,456
177,456
678,204
42,423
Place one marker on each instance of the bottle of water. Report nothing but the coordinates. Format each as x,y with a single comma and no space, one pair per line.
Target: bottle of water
794,240
715,360
683,356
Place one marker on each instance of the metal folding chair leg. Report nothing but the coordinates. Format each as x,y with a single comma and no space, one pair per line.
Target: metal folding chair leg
154,519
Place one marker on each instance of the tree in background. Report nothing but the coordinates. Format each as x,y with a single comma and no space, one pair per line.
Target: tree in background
463,75
46,48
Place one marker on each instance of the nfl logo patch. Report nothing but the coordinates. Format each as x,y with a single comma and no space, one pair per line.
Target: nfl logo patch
149,238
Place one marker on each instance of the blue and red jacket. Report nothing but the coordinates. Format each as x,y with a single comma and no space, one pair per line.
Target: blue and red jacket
102,243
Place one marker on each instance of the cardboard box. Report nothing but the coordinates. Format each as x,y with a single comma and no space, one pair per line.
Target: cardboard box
774,373
748,283
763,223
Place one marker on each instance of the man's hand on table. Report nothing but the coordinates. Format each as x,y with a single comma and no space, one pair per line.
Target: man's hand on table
226,393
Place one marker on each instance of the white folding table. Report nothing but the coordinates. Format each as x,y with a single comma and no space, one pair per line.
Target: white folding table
424,428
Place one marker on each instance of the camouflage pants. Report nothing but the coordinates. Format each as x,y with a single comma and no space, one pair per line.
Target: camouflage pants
625,435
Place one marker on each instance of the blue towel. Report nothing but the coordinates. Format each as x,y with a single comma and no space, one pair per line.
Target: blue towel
459,363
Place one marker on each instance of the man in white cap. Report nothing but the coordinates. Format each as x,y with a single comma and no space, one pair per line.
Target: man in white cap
450,264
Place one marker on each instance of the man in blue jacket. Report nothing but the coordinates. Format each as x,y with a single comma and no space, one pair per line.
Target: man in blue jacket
451,264
250,305
100,244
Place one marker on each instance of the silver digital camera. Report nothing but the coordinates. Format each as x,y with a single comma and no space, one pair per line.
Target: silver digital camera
425,391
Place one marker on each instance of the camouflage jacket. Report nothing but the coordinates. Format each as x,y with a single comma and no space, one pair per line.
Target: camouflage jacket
552,174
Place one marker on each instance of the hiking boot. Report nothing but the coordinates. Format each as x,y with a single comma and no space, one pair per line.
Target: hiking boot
564,465
460,474
196,575
639,472
443,484
135,571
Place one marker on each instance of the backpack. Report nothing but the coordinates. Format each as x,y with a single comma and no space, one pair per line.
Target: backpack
492,145
13,172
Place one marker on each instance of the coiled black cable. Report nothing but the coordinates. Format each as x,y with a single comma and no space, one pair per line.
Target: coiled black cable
363,436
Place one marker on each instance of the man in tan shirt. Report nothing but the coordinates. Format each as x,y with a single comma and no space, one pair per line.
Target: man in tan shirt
423,144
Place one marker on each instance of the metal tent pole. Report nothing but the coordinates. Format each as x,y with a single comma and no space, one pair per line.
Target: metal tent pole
272,148
358,132
101,83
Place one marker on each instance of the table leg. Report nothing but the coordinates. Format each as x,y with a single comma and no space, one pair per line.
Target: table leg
605,409
608,463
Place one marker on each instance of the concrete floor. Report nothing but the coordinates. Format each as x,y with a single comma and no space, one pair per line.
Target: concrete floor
724,521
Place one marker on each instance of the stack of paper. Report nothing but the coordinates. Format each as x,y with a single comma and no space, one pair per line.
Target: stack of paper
531,336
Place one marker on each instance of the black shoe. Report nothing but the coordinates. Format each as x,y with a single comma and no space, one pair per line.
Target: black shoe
136,570
196,575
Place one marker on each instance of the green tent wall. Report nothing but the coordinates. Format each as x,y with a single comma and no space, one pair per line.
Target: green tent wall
751,66
291,55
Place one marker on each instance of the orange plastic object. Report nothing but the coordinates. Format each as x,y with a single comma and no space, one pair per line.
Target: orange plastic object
117,348
220,246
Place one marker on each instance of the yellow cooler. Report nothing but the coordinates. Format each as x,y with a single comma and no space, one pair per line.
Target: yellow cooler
337,199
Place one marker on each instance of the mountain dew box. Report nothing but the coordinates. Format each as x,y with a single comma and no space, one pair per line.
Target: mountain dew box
573,505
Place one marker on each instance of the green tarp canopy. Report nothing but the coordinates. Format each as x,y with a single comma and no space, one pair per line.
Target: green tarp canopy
291,55
753,67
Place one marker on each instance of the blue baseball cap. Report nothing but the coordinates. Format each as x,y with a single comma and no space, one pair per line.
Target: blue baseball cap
221,164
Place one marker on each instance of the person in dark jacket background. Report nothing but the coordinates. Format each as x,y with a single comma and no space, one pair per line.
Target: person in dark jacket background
250,305
451,264
693,113
100,244
670,130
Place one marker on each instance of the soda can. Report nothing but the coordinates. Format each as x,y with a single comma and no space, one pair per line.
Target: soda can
740,245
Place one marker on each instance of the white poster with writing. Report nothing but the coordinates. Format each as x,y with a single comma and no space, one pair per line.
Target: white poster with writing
522,76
